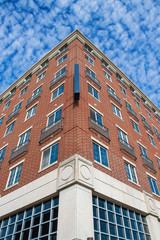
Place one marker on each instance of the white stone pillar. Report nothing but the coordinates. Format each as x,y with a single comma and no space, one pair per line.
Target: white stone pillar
154,227
75,217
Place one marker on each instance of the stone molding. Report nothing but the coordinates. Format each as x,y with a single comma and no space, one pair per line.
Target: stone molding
151,204
73,170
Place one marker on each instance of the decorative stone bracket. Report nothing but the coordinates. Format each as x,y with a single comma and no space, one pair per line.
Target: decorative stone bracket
75,169
150,203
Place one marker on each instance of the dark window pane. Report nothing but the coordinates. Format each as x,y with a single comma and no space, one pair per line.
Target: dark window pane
46,216
55,201
131,214
55,212
25,235
110,206
126,222
117,209
35,232
142,236
53,237
104,237
10,229
138,217
37,208
120,231
5,222
17,236
20,216
47,204
54,226
19,226
139,226
128,233
36,219
3,232
135,235
44,229
29,212
124,212
119,219
101,202
13,218
111,217
102,214
133,224
96,236
112,229
96,226
95,212
27,223
145,228
103,226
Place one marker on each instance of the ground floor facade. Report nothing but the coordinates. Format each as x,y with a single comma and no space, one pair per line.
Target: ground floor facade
78,202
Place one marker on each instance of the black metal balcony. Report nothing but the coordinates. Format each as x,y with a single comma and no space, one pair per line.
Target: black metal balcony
147,162
57,79
135,95
24,83
93,124
121,81
147,106
133,113
7,98
127,148
13,114
94,79
114,96
34,97
19,151
49,130
42,68
106,67
89,51
146,125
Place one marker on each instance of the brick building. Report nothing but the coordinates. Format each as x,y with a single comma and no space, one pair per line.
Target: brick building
79,150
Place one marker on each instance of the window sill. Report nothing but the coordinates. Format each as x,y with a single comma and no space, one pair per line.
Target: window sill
7,188
156,195
103,165
134,183
41,170
119,117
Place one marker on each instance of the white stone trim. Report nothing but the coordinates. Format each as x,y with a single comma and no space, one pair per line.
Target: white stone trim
121,129
4,146
32,106
10,123
57,86
111,87
125,159
151,176
100,143
115,105
54,110
25,131
51,143
60,69
17,164
95,109
141,144
93,87
90,68
37,87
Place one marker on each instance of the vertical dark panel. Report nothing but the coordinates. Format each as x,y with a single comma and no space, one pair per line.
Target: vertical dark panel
76,82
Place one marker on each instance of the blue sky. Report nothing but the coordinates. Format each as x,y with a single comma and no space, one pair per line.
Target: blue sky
128,32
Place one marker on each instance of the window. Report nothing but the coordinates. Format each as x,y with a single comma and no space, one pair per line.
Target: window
54,118
6,105
137,103
31,112
123,90
151,140
57,92
122,135
107,76
14,176
131,173
50,155
35,222
23,91
156,130
9,128
17,107
128,105
24,138
93,91
96,117
1,120
111,90
100,154
89,59
143,119
90,72
135,126
62,59
114,222
37,91
41,76
153,185
149,115
143,152
158,160
159,123
60,73
116,111
2,151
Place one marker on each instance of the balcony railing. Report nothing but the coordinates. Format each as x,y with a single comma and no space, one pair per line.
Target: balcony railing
135,95
57,79
7,98
114,96
63,50
146,125
133,113
49,130
94,79
87,50
107,68
43,67
126,147
13,114
147,162
146,106
121,81
93,124
24,83
157,116
19,151
34,97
